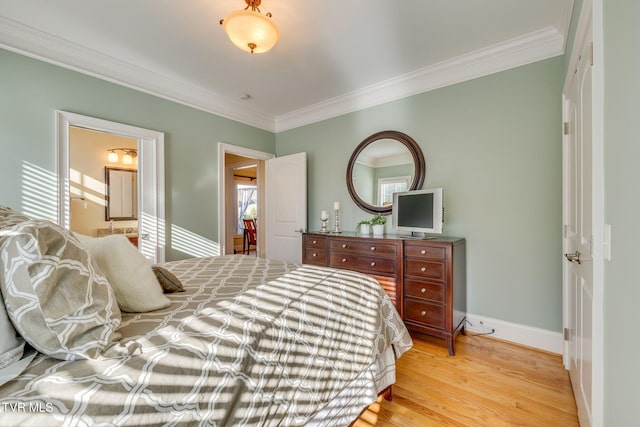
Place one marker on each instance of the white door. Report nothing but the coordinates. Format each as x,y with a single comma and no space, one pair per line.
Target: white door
578,233
286,206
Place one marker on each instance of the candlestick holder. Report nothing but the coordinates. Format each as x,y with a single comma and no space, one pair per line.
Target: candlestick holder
323,226
336,227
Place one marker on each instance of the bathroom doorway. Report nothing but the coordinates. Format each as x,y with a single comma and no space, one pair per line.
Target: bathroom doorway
80,185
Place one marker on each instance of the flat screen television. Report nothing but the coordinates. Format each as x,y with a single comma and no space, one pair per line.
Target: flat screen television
418,211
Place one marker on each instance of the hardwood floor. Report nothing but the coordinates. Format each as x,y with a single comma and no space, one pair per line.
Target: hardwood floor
487,383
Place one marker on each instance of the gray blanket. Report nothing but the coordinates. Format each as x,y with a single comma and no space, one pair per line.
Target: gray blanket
250,342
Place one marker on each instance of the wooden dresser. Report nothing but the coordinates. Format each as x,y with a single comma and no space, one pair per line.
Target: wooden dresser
380,258
426,279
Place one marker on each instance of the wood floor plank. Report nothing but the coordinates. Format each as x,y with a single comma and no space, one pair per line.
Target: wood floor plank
487,383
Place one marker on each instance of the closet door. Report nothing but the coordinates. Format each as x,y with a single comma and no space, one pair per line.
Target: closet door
580,298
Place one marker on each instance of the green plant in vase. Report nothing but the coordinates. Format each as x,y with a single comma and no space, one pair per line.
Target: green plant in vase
377,224
363,227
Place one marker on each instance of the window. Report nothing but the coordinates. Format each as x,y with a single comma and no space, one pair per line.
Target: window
246,203
388,186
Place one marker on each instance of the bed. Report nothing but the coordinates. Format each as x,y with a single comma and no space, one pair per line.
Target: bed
248,341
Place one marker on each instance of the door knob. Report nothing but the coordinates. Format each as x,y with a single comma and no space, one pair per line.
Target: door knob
574,257
300,230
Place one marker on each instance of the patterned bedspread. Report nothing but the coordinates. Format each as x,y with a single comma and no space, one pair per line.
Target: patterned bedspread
251,342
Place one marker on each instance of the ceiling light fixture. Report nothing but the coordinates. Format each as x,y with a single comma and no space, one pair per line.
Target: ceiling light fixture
250,30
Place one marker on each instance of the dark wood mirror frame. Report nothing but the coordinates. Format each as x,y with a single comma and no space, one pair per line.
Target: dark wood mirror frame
109,194
418,160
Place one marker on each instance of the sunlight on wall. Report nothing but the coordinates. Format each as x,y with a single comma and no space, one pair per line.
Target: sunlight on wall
39,192
151,235
192,244
89,188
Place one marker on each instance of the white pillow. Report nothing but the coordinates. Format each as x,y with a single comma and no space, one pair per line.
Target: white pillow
128,271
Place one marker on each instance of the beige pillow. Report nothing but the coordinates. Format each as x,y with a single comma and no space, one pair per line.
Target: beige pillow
56,298
128,272
167,280
9,217
11,345
13,359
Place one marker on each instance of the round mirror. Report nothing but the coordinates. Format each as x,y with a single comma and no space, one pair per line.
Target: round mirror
384,163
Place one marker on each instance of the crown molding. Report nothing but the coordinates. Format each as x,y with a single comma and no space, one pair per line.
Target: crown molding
564,22
28,41
532,47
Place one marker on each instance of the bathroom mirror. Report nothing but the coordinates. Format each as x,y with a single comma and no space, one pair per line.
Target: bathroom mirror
384,163
121,195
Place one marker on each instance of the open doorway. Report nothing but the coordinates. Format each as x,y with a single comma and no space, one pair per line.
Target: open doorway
243,211
103,171
241,185
75,188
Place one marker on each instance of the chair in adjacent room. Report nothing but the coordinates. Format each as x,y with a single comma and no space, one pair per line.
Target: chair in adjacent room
250,235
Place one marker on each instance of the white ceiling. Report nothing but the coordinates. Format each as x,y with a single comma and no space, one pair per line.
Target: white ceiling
333,57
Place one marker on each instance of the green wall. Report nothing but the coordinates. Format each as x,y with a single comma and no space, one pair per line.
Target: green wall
494,144
363,182
31,91
622,212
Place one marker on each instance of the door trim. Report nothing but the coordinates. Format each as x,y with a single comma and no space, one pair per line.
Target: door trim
224,148
150,146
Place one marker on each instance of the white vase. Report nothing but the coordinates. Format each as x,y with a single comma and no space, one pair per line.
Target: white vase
365,229
378,229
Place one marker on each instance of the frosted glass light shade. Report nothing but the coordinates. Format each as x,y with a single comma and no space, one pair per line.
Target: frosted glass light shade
112,157
127,159
251,31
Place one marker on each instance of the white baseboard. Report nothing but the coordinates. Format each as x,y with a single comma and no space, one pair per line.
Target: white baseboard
542,339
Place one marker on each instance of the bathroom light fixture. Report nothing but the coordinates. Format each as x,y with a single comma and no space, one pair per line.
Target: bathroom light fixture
112,157
250,30
127,158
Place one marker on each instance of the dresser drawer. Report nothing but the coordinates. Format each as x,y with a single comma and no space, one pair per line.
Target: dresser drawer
424,290
314,242
365,264
363,248
315,256
432,270
425,252
423,312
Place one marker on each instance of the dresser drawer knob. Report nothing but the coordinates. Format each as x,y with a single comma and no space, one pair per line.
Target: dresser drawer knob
423,290
344,245
373,248
423,313
315,241
315,255
373,264
344,260
423,252
423,269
